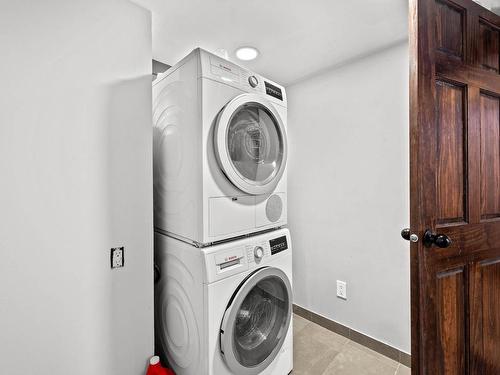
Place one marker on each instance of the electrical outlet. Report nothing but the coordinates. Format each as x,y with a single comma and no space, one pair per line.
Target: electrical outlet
341,289
117,257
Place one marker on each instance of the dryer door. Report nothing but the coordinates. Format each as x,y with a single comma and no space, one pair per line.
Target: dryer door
250,144
256,321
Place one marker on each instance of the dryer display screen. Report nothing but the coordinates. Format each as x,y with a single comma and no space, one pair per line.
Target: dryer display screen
273,91
278,244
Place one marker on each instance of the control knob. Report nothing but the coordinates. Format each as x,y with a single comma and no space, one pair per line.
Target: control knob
253,81
258,252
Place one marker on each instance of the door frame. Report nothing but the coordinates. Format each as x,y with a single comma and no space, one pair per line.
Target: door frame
422,94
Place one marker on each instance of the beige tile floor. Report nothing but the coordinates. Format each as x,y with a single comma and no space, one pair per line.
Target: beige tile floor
318,351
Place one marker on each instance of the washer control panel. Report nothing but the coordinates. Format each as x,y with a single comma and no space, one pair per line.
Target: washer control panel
260,250
249,253
256,252
278,245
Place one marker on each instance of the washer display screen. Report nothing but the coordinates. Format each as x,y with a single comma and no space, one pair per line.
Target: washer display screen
278,244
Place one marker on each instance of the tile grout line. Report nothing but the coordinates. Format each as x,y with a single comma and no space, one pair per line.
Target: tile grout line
352,335
348,341
377,358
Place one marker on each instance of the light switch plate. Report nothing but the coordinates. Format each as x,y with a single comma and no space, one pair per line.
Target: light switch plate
117,257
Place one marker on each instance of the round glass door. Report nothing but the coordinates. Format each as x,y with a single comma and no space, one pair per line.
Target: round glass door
256,322
251,144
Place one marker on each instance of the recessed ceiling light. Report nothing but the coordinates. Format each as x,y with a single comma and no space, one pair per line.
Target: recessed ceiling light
247,53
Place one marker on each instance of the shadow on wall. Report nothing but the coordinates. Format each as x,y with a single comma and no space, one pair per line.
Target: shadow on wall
159,67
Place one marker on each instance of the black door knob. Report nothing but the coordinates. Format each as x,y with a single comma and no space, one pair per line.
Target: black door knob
440,240
408,236
405,233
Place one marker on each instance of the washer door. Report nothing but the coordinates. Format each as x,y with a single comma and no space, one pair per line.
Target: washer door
256,321
250,144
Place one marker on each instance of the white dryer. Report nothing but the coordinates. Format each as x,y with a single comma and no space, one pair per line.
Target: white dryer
225,309
220,150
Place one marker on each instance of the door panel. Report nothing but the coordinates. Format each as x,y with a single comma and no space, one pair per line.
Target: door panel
455,187
450,153
489,42
451,321
231,215
490,156
449,28
485,319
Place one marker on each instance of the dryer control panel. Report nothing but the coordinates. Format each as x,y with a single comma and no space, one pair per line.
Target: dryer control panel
219,69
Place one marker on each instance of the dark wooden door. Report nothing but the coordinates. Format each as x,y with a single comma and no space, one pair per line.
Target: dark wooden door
455,187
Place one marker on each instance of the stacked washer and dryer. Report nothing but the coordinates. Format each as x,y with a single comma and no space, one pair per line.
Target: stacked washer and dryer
223,293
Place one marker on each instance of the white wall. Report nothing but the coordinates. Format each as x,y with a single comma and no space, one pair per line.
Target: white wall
490,4
75,172
348,194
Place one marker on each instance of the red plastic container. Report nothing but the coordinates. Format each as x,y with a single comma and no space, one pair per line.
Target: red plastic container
155,367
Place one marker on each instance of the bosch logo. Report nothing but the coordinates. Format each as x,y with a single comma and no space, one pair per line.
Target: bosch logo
225,68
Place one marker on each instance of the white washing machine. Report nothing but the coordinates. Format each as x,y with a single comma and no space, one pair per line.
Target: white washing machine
220,150
225,309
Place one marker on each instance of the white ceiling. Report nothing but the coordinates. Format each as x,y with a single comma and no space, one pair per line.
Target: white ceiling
296,38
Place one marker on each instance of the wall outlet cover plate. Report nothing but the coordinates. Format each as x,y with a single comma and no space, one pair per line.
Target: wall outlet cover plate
117,257
341,289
